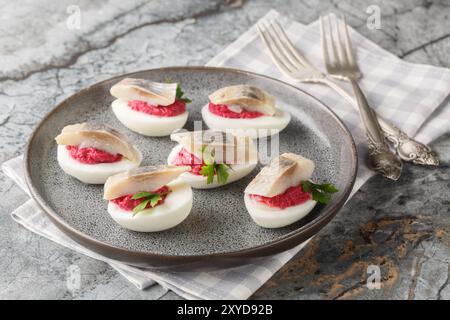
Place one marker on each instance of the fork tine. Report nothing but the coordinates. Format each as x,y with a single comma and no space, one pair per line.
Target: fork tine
275,57
281,42
284,54
347,42
289,45
329,49
324,41
340,44
333,40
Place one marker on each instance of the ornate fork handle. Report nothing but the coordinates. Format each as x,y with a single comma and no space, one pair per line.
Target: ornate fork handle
380,156
406,147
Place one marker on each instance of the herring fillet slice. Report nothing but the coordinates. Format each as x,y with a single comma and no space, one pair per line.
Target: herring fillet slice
100,136
286,171
222,147
155,93
248,97
149,178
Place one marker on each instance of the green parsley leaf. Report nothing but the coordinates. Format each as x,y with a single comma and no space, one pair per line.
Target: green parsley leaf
222,174
320,192
208,171
328,187
148,197
306,186
141,206
154,200
179,95
210,168
140,195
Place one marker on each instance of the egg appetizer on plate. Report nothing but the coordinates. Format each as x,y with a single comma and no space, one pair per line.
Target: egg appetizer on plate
244,108
215,158
149,199
91,152
282,193
149,108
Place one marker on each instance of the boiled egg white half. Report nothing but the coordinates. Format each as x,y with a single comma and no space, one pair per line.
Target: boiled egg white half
271,217
147,124
92,173
176,207
235,172
255,127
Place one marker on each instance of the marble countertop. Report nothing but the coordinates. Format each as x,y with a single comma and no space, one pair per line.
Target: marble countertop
403,227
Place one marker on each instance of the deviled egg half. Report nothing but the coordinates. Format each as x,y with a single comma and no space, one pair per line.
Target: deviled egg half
91,152
149,108
149,199
215,158
282,193
244,108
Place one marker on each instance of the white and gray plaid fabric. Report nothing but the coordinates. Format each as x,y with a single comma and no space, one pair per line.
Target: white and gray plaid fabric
412,96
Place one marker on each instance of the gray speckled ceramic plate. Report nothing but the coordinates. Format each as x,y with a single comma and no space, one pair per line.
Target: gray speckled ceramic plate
219,230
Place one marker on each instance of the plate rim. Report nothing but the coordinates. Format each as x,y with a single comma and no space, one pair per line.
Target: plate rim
283,243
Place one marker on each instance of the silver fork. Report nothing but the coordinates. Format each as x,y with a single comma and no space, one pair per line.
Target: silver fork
291,62
340,61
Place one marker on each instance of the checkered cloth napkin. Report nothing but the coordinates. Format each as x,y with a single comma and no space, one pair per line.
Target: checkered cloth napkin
412,96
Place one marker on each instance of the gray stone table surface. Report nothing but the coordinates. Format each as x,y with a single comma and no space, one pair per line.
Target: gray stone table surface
402,227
